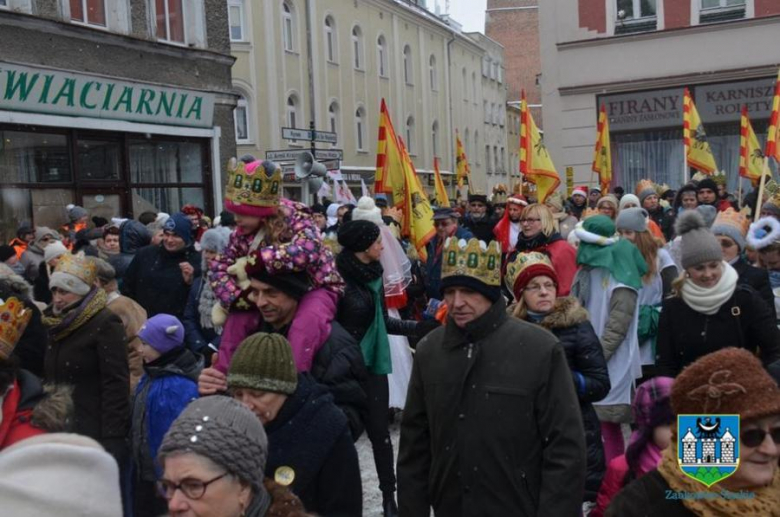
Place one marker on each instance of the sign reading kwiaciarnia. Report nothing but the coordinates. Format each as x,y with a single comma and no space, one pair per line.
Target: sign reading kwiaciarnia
38,90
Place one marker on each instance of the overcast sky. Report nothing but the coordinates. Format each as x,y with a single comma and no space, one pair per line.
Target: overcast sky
469,13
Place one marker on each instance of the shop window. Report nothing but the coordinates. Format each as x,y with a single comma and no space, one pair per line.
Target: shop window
90,12
330,39
3,4
170,20
165,199
635,16
43,207
381,48
32,157
236,20
98,159
165,162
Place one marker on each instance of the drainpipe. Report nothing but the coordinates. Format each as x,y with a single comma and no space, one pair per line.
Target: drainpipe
312,109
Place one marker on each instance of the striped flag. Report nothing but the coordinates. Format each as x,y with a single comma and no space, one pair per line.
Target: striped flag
699,155
389,178
418,214
773,134
751,158
536,165
602,154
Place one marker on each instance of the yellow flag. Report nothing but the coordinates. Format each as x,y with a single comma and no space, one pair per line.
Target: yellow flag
418,214
602,155
442,199
389,176
461,162
535,162
773,133
751,157
699,155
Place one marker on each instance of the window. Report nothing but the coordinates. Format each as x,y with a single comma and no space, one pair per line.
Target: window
292,111
500,74
496,167
721,10
330,39
485,67
433,74
90,12
241,116
476,146
486,109
487,159
465,84
236,19
170,20
474,87
493,113
357,47
435,137
410,134
360,128
381,49
503,164
493,68
333,118
408,64
635,9
3,3
501,115
288,27
466,143
721,4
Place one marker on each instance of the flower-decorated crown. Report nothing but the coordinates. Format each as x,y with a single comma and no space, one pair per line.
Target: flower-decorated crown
643,185
14,317
256,185
473,259
78,266
526,266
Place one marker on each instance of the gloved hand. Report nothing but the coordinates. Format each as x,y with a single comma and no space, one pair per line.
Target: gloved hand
424,327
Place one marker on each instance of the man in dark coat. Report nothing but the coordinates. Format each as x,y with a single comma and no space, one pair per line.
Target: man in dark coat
159,277
132,237
478,220
492,423
445,220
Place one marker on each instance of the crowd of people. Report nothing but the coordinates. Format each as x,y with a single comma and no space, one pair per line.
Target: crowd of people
536,355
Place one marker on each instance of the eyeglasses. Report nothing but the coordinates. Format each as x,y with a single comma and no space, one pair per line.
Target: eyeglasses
550,287
192,488
755,437
529,220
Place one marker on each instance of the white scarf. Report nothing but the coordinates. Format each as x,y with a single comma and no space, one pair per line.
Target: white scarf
708,300
514,232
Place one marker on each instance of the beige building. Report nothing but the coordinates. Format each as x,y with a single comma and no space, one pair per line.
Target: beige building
431,74
636,58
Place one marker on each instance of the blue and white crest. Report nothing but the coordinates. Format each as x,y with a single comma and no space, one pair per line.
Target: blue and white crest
708,446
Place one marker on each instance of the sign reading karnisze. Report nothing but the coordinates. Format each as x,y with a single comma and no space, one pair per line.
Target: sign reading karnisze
37,90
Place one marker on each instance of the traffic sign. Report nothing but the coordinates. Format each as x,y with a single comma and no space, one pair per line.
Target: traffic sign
325,136
285,155
328,154
291,133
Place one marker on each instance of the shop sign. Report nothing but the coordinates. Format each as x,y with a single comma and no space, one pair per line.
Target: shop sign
723,102
37,90
644,110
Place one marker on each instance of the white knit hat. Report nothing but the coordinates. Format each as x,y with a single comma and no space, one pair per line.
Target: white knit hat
368,211
60,474
54,250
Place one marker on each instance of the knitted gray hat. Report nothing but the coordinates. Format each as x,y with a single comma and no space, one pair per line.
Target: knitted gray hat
224,431
634,219
646,192
215,239
698,244
708,214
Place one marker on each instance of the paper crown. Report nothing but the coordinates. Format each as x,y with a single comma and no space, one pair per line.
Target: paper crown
254,185
472,259
526,266
660,189
644,185
499,198
731,217
719,178
14,317
78,266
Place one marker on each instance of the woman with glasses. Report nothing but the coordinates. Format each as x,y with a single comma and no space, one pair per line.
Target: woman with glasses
709,309
532,280
728,382
537,233
213,458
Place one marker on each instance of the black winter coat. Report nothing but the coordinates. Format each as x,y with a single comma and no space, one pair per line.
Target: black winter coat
132,237
481,228
154,280
664,218
743,321
756,278
311,436
570,324
197,337
646,497
492,425
31,348
41,285
93,360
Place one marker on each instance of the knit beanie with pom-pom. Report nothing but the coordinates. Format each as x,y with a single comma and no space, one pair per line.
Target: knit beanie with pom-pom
698,244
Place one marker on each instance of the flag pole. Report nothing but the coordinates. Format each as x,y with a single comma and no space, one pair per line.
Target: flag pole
739,192
685,163
760,200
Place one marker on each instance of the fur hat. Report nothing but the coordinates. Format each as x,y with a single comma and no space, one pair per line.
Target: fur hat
264,362
698,244
731,380
367,210
215,239
634,219
707,183
478,197
764,232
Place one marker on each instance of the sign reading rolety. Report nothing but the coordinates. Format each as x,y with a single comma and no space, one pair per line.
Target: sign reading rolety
37,90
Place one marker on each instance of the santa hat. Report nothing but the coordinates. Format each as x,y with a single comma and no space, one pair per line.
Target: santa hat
582,190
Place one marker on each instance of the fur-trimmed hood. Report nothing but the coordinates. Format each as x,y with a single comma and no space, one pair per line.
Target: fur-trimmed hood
12,284
52,405
566,313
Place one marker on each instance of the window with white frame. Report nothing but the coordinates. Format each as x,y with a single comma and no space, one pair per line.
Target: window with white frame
381,51
464,84
500,74
485,67
236,19
360,128
288,26
721,4
408,64
357,48
88,12
474,87
410,134
501,115
635,9
170,20
241,117
435,138
493,68
433,73
475,155
466,142
292,111
713,11
487,159
493,113
496,167
3,3
333,119
486,109
503,163
330,39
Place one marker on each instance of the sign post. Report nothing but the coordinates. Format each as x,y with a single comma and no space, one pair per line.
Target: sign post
569,181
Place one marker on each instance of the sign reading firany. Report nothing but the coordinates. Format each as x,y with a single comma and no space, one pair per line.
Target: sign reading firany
38,90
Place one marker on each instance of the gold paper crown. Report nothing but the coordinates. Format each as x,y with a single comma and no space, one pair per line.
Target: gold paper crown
699,176
719,178
14,318
463,258
499,198
644,185
78,266
660,189
256,188
590,212
522,262
499,187
731,217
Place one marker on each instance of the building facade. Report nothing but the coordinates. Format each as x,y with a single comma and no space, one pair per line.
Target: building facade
117,106
331,62
636,57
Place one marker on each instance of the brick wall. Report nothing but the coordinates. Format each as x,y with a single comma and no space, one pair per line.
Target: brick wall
518,31
593,15
677,14
767,8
